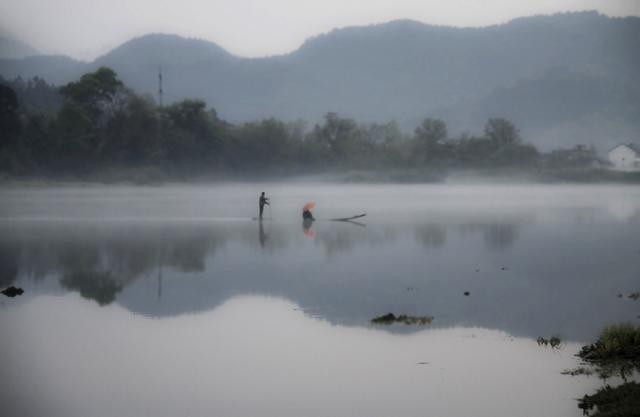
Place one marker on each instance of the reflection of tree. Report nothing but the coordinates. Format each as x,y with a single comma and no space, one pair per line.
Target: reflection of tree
79,256
336,242
8,265
500,236
342,237
100,261
431,235
130,257
496,235
100,286
189,255
98,270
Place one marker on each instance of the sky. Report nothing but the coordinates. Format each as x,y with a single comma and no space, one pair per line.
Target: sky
85,29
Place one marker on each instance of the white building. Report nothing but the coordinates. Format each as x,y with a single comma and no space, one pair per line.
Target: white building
625,158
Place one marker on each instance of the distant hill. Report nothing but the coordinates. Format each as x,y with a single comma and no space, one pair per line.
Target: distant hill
55,69
13,48
563,79
558,108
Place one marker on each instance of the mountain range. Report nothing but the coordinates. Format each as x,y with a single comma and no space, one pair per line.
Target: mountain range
13,48
563,79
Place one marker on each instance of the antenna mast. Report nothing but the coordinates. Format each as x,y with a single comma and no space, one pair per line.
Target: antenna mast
160,86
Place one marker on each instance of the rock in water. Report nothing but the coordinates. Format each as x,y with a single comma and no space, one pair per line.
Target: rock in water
12,291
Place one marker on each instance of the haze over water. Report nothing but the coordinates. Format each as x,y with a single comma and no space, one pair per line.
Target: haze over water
174,301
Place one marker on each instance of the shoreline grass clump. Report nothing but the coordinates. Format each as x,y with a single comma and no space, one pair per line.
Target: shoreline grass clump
615,343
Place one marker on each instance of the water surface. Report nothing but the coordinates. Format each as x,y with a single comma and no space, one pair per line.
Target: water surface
174,301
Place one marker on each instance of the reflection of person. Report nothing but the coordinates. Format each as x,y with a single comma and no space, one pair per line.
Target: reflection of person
307,219
262,236
306,215
262,201
306,227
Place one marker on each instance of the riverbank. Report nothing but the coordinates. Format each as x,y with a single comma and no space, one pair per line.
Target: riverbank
153,176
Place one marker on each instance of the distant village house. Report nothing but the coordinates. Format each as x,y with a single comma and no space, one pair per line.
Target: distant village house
625,157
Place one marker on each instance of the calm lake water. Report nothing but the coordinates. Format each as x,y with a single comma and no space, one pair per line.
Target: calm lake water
173,301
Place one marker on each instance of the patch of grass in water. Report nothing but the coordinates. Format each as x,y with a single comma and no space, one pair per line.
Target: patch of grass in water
391,318
581,370
553,341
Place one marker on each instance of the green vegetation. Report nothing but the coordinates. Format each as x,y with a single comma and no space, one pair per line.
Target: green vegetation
581,370
391,318
100,286
615,353
617,342
621,401
98,129
553,341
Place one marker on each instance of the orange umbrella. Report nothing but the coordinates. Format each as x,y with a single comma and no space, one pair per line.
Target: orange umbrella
309,206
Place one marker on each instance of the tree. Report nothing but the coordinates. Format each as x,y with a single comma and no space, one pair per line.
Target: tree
378,134
74,141
36,96
429,138
133,136
9,130
9,121
515,154
338,137
431,131
96,92
578,156
473,151
501,132
190,135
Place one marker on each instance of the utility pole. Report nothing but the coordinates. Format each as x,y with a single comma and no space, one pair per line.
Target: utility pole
158,147
160,86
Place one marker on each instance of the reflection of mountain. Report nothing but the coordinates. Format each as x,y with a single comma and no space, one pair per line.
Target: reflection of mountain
8,265
552,277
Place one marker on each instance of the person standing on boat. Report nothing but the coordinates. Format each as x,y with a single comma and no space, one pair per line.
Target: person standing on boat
261,202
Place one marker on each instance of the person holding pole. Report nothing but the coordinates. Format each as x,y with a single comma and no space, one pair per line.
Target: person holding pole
261,203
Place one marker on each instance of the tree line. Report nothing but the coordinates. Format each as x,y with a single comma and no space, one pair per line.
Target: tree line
96,124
